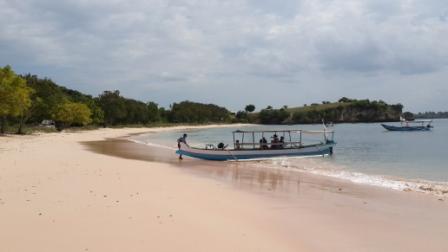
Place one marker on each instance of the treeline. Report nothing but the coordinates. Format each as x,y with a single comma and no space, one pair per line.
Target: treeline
431,115
28,99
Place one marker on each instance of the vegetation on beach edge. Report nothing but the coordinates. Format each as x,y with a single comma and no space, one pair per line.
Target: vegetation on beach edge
42,105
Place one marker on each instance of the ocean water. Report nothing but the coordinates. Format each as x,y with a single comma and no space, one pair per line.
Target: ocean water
365,153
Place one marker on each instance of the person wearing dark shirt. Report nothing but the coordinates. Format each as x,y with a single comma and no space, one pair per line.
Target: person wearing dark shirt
182,139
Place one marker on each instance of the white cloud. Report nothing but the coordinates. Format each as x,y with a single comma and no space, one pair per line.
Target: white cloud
293,52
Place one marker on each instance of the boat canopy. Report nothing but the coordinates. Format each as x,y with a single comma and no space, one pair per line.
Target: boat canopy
244,139
422,122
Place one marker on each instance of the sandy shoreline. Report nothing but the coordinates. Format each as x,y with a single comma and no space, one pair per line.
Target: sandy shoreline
56,195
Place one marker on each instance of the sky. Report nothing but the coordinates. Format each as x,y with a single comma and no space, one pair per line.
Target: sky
235,52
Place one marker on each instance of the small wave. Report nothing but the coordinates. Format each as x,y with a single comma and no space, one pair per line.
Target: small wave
315,167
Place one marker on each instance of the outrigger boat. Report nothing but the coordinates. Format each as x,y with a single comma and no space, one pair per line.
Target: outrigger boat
244,149
418,125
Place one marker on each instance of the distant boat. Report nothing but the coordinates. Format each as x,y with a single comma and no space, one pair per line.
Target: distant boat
244,149
418,125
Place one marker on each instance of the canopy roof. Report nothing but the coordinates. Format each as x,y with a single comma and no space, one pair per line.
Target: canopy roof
419,121
281,131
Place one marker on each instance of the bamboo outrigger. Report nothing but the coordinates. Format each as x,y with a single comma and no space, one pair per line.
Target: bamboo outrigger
245,146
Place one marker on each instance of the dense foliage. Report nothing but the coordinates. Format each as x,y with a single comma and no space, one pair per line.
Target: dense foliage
72,113
432,115
273,116
48,96
250,108
193,112
15,97
33,100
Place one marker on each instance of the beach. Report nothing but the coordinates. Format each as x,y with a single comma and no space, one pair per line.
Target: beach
96,191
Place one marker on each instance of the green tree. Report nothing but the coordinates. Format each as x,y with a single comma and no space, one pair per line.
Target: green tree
193,112
345,100
72,113
241,116
250,108
14,97
114,107
23,102
45,99
153,112
408,116
273,116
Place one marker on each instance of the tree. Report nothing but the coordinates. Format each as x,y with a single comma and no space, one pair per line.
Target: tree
22,101
345,99
114,107
14,97
241,115
72,113
193,112
153,112
250,108
273,116
408,116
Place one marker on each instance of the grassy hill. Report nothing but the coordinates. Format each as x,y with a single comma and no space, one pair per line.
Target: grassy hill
317,107
345,110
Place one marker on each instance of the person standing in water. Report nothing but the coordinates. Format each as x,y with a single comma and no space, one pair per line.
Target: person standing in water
182,139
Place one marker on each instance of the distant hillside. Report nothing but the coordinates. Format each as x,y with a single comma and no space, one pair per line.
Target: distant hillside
431,115
345,110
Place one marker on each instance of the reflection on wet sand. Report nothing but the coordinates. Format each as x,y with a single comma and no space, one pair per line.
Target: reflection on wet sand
257,176
242,174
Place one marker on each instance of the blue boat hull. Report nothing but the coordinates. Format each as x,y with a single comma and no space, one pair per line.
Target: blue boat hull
406,128
222,155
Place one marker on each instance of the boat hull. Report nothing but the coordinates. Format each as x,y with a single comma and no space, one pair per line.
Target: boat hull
405,128
223,155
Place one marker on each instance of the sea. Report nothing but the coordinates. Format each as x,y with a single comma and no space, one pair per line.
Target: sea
365,153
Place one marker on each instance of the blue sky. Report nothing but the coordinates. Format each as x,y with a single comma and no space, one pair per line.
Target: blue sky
233,53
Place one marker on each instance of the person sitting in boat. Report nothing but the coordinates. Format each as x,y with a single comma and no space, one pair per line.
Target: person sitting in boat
264,143
237,144
182,139
274,142
221,145
282,142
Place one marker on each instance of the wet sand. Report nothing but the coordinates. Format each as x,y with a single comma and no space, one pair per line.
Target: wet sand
90,191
